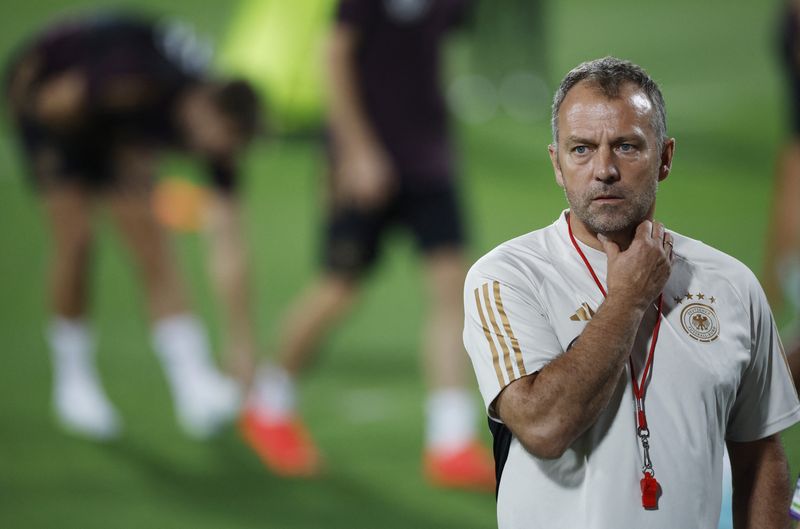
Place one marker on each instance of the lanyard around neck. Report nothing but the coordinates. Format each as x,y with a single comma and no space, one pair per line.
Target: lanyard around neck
650,487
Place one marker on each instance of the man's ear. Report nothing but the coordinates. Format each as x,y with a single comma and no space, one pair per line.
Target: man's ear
553,151
666,159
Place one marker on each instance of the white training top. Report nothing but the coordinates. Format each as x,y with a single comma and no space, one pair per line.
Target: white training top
719,373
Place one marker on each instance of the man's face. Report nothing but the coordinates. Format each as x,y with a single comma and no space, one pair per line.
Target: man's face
207,130
607,158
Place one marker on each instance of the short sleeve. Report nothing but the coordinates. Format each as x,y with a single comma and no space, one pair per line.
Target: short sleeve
766,401
506,331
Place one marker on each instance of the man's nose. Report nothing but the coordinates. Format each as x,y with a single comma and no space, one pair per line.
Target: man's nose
605,165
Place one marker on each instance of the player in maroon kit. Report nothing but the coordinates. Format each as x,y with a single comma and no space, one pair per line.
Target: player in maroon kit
95,100
391,163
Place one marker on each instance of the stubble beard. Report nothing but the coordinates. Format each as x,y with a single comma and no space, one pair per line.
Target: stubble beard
610,219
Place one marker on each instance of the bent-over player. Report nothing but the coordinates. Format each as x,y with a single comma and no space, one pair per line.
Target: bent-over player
96,99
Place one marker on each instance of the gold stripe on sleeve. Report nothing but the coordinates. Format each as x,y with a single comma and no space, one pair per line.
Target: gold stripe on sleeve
507,327
498,333
495,359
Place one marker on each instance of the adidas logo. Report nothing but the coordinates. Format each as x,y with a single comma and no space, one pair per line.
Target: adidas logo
584,313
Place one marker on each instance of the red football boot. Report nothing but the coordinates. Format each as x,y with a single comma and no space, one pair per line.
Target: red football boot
283,445
471,468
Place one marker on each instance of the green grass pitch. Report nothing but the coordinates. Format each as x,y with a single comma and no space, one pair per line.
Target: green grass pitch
363,400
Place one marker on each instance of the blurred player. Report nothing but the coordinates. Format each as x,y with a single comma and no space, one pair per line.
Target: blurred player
391,163
782,266
782,263
794,366
96,99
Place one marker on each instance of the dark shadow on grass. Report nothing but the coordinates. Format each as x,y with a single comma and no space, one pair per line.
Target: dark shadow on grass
234,488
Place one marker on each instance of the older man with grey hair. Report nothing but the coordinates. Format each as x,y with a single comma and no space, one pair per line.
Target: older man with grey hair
616,358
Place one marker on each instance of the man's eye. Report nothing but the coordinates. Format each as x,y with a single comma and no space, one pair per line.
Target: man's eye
580,149
626,147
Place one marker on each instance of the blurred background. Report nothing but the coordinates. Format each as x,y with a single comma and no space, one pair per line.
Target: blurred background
718,65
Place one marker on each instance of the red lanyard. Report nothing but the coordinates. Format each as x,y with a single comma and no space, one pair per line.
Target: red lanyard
649,485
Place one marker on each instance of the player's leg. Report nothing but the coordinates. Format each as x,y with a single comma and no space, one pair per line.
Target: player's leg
79,400
128,199
69,217
311,316
453,455
444,360
204,399
271,424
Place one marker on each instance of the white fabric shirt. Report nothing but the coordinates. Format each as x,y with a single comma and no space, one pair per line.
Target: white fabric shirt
719,374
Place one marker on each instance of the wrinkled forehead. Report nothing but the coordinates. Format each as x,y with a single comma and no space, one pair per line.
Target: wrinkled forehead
588,103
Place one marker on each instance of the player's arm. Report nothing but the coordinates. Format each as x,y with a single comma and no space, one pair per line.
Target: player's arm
230,275
760,484
547,411
363,173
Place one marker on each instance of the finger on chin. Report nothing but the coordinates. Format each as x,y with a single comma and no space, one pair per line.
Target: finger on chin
645,228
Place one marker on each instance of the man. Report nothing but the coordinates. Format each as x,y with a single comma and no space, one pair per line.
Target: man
615,358
95,100
391,163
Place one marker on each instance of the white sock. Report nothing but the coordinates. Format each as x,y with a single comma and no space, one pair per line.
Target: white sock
78,396
204,398
274,395
181,344
451,419
72,347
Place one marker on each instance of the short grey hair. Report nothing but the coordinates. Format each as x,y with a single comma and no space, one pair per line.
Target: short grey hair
609,75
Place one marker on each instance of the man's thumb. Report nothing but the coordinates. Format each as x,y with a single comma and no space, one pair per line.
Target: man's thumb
609,246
